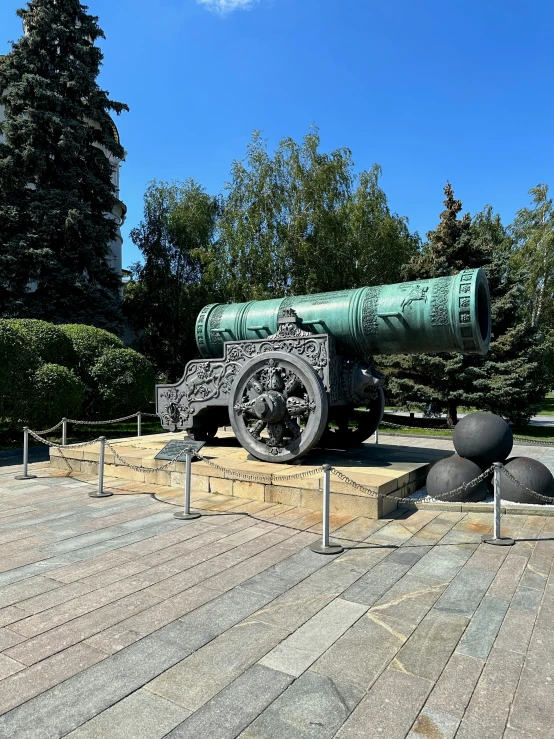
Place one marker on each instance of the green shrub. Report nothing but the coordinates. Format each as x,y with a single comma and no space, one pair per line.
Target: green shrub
57,392
18,363
89,344
47,340
124,382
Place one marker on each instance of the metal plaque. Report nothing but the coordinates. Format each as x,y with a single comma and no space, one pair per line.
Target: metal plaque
171,450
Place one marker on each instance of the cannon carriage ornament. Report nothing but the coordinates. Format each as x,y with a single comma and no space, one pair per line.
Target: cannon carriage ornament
294,372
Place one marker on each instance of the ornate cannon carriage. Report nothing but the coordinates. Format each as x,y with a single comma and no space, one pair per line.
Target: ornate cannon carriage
294,372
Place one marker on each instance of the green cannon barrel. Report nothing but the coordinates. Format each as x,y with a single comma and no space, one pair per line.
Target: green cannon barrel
445,314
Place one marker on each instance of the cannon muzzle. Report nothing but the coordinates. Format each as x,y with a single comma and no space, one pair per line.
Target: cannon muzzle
445,314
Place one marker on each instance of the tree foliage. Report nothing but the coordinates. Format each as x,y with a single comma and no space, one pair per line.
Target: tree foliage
57,393
55,177
89,343
533,231
167,292
124,382
49,342
300,221
511,380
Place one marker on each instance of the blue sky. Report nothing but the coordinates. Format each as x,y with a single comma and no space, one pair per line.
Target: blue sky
429,90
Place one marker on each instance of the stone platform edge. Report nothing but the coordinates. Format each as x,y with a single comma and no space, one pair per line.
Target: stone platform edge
304,492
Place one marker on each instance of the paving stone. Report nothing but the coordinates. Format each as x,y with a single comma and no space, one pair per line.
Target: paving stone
9,639
527,599
199,677
361,654
515,631
141,715
369,588
217,616
252,691
292,609
465,592
488,708
406,603
43,645
481,632
26,683
9,666
430,646
81,697
280,577
294,655
534,698
441,564
382,713
313,707
455,686
506,581
433,724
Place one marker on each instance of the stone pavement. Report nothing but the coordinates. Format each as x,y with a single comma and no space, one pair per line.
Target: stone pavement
119,622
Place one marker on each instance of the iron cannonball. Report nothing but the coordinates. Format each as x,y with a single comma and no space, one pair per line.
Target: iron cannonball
483,438
448,474
531,473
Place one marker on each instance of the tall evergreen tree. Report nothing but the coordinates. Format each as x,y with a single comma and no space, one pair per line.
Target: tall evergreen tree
511,380
55,177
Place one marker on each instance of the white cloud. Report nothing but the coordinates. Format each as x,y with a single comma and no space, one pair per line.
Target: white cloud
227,6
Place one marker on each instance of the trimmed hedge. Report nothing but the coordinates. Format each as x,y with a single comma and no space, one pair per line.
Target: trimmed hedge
124,381
89,343
57,393
48,341
18,363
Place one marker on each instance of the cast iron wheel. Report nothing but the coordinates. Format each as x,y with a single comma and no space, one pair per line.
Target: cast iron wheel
352,425
278,407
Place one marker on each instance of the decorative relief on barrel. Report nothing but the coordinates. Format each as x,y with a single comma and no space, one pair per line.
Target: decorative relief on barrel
369,311
200,322
216,339
464,315
439,301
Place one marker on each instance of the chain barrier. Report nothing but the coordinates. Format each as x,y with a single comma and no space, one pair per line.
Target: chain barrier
140,468
100,423
246,476
544,498
451,493
47,431
62,446
253,477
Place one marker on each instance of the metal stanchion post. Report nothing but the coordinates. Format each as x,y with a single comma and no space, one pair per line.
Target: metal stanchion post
25,475
325,547
139,423
496,538
64,431
101,493
186,515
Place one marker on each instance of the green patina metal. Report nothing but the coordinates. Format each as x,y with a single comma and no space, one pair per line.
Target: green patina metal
446,314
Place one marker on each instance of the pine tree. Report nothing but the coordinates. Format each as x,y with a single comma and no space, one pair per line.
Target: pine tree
511,380
55,177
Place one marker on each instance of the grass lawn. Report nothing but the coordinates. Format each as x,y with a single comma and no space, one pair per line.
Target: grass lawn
547,406
532,433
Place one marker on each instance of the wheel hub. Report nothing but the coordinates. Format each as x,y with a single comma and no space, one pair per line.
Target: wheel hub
270,407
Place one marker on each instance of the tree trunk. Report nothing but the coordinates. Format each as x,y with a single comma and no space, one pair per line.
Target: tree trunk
452,414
